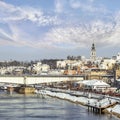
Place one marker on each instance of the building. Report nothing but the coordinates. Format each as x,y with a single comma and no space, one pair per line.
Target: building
93,53
117,58
39,68
68,64
94,84
107,63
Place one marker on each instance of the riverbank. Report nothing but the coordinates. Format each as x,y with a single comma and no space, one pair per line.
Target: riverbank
86,99
33,107
115,110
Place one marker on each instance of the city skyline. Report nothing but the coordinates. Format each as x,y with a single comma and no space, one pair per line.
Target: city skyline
46,29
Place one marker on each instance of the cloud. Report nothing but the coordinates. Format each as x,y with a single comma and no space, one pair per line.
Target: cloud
37,16
58,6
11,13
87,6
35,28
91,0
104,34
18,19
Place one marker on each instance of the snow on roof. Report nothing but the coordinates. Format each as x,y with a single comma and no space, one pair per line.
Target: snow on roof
90,82
87,81
101,83
93,82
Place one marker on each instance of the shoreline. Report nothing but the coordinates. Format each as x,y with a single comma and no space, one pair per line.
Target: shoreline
65,95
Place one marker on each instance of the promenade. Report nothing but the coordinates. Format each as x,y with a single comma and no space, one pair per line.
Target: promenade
94,102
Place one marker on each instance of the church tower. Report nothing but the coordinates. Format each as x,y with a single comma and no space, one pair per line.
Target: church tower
93,53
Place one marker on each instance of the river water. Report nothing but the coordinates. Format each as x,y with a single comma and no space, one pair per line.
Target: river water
33,107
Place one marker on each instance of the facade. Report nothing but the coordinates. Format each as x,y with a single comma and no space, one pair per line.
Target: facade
69,64
38,68
107,64
97,73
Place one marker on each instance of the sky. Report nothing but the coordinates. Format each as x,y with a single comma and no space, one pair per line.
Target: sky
50,29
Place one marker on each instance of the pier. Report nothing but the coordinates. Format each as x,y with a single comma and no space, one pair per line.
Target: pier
98,107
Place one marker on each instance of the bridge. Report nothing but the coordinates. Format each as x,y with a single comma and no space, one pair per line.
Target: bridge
30,80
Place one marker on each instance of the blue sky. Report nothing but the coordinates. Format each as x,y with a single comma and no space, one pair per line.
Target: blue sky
39,29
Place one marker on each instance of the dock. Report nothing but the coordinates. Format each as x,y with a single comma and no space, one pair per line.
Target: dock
98,107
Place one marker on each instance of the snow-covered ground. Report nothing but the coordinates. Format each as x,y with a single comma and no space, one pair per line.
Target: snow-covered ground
103,102
115,109
84,100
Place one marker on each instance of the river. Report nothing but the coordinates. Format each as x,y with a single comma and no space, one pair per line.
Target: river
33,107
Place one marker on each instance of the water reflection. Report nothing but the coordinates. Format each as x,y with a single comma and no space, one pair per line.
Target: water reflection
33,107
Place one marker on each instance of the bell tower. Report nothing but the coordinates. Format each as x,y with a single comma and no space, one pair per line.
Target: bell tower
93,52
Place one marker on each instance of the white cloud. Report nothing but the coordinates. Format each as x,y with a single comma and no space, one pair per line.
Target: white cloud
9,13
75,4
39,17
105,34
89,7
12,16
70,36
58,6
91,0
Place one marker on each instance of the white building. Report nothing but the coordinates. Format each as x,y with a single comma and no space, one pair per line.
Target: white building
39,68
61,64
94,84
69,63
10,69
117,58
107,64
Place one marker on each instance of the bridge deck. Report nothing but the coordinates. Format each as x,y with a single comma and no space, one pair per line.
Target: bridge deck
39,79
